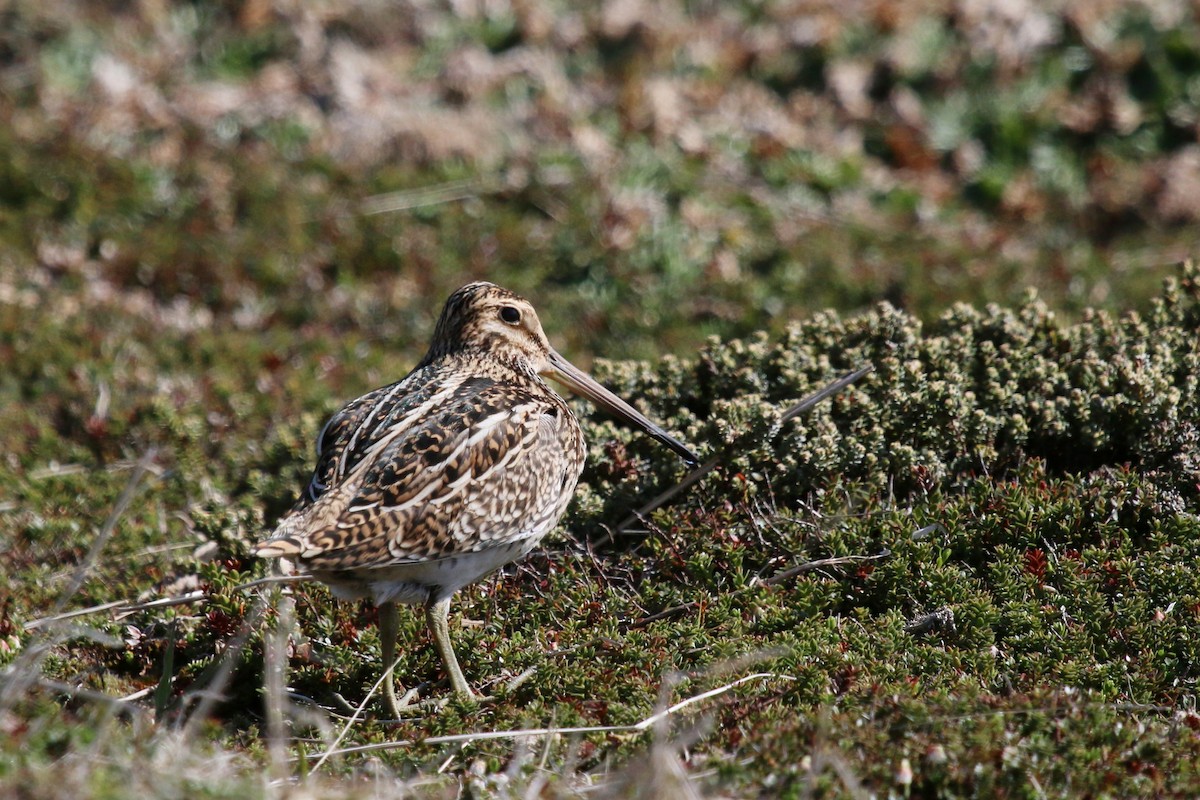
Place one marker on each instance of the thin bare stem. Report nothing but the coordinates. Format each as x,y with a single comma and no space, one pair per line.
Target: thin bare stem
777,578
213,689
437,194
333,751
106,532
275,679
712,463
809,566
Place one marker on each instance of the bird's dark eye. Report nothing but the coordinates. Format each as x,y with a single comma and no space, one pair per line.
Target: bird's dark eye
510,314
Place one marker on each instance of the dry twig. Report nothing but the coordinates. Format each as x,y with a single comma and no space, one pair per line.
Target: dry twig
712,463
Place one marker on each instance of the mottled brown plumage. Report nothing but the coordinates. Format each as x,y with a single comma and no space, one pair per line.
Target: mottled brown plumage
433,482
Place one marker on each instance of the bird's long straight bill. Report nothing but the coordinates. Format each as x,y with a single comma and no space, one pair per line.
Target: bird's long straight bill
579,381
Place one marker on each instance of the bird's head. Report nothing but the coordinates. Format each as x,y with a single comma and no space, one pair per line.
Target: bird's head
485,321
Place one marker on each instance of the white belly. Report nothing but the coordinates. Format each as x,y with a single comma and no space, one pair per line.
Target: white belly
421,582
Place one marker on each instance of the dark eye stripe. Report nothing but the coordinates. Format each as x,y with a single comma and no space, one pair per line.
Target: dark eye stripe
510,315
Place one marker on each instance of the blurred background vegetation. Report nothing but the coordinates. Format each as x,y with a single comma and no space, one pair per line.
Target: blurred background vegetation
220,220
649,173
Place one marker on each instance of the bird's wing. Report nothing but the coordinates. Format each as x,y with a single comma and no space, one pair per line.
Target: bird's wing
461,471
351,433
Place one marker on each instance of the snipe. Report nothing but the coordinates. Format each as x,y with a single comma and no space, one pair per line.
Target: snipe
431,483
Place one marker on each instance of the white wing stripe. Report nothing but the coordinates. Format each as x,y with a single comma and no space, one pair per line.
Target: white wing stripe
374,409
410,418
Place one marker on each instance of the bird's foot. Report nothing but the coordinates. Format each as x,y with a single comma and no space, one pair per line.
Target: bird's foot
395,705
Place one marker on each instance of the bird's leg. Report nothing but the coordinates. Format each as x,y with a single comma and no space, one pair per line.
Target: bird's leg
436,615
389,629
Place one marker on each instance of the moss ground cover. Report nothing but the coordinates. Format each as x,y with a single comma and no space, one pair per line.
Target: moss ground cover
1034,482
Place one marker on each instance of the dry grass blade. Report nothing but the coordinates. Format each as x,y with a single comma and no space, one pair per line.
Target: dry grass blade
25,670
461,738
43,622
110,525
214,687
122,608
708,466
809,566
120,704
423,196
677,707
275,666
333,751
